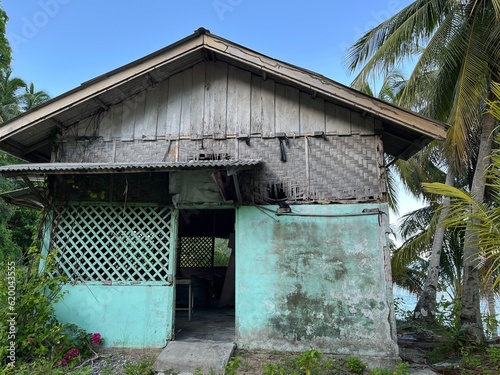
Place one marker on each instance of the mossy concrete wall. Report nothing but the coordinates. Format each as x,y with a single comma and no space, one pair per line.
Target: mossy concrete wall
319,279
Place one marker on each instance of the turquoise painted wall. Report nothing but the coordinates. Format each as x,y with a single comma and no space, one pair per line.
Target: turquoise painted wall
132,316
314,281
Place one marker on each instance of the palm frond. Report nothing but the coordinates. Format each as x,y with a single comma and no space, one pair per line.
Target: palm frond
425,166
410,278
396,39
471,89
417,222
421,83
496,6
392,191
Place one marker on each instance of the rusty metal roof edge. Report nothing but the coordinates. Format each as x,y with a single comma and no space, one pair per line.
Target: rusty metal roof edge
43,168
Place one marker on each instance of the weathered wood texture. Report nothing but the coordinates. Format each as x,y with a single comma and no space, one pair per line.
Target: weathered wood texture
216,100
217,111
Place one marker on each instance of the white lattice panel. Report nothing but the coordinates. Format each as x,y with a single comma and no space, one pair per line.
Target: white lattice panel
112,243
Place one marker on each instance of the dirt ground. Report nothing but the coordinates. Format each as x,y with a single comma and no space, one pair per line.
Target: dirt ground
115,362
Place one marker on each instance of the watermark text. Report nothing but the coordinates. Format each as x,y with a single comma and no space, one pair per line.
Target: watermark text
47,10
11,314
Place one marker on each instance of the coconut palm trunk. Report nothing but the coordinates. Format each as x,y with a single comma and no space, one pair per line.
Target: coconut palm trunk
470,313
492,309
426,304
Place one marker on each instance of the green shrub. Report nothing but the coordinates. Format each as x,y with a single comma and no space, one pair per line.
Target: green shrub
402,368
32,332
233,365
310,362
494,356
143,367
354,364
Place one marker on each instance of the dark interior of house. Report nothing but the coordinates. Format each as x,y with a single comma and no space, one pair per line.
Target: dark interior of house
205,275
205,258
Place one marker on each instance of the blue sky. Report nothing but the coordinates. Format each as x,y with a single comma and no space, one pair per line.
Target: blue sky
59,44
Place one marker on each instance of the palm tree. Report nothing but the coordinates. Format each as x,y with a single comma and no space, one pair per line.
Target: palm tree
10,95
465,208
418,228
32,98
407,261
455,44
5,50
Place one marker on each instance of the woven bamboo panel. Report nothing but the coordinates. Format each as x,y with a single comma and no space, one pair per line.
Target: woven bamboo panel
196,252
338,168
332,169
114,243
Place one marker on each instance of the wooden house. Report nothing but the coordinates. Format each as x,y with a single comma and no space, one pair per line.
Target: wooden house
149,165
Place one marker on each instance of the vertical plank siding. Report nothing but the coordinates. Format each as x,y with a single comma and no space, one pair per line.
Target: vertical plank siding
106,126
312,114
128,120
162,125
219,101
150,120
216,100
287,110
186,105
195,128
238,101
174,104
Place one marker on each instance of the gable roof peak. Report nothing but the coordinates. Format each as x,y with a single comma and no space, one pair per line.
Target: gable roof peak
202,31
29,135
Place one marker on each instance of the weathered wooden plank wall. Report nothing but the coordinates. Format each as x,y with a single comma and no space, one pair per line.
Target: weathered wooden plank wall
219,101
238,101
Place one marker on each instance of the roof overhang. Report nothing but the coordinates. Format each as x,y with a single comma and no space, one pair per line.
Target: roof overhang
43,169
30,135
34,197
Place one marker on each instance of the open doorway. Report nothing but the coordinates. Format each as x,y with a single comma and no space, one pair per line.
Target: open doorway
205,277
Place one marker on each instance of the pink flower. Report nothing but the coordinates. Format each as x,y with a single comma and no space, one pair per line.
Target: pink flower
31,341
96,339
62,362
72,353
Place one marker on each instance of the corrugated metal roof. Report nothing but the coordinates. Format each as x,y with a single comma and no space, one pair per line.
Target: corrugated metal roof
60,168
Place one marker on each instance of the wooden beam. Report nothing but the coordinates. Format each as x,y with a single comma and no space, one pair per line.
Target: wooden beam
33,189
237,189
35,146
102,104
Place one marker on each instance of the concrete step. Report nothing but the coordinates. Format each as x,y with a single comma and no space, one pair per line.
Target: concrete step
186,357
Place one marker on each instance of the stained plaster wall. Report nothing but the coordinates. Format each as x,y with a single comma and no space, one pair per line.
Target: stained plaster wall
130,316
314,281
